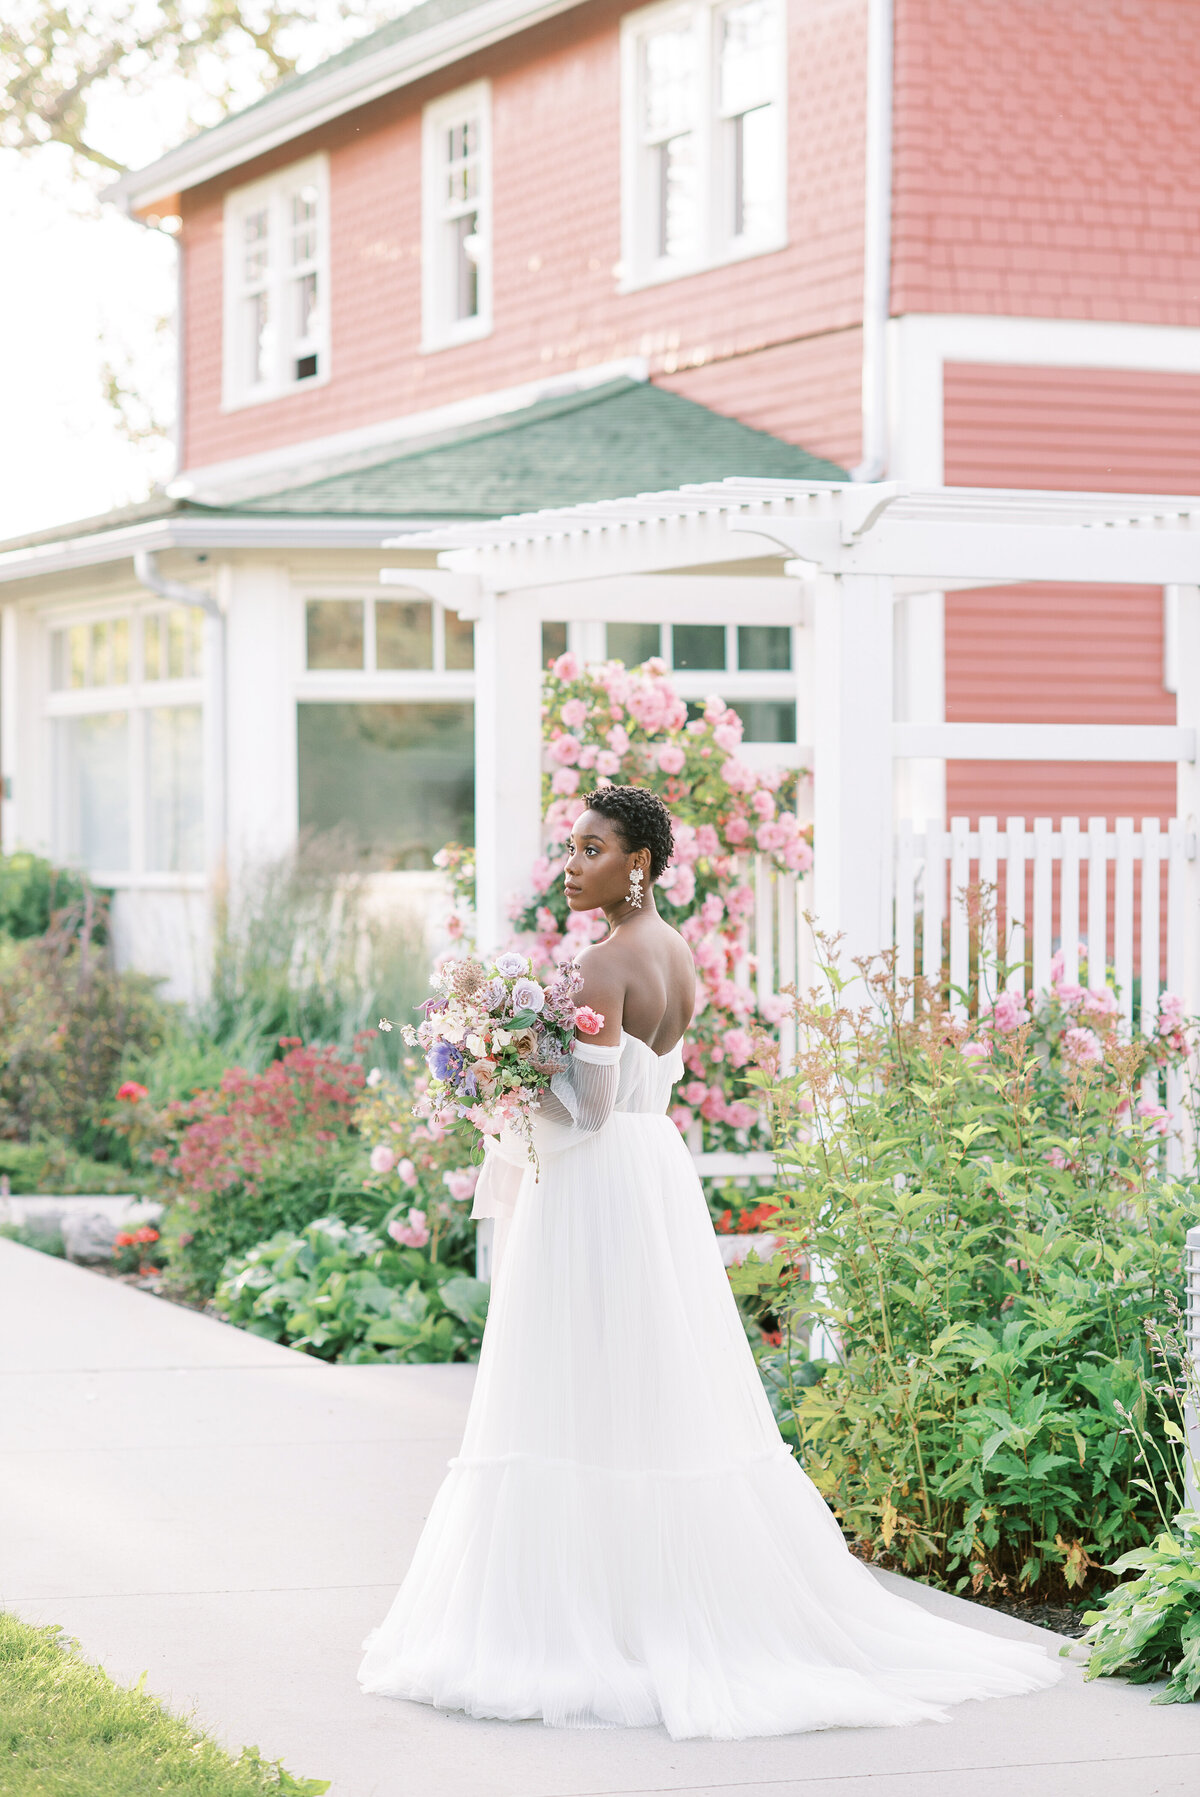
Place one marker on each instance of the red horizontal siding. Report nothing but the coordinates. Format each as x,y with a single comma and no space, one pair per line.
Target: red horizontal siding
1063,654
1045,159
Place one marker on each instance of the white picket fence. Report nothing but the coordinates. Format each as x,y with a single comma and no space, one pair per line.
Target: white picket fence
1034,912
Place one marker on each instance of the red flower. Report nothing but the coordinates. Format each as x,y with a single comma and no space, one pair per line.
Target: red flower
131,1092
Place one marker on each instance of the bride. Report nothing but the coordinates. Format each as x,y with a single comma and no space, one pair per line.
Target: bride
625,1538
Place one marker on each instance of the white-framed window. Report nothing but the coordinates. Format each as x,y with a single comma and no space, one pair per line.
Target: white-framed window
752,666
124,710
704,156
385,726
456,232
276,327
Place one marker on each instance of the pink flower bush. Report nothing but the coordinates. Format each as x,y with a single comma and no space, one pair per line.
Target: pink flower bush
460,1182
383,1158
412,1234
631,726
1083,1046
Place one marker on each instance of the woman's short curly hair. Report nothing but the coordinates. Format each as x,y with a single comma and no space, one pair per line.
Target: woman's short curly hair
641,819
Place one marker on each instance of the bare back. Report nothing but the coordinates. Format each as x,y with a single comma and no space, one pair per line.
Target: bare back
642,979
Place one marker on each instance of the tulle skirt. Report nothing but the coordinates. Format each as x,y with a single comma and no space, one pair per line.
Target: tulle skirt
624,1538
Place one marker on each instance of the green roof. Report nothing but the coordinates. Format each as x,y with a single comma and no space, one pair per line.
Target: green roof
609,442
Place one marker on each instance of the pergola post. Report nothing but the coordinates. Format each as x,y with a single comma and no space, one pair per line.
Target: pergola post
1187,798
508,757
852,760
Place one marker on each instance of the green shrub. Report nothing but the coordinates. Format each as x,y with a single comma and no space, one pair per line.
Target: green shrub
342,1292
49,1165
1149,1627
67,1019
990,1229
33,891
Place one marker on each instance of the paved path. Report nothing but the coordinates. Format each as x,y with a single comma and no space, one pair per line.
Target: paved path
231,1518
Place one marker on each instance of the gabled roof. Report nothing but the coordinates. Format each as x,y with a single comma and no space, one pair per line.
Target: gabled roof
422,40
621,438
627,436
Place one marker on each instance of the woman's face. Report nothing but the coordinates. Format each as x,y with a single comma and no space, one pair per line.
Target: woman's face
598,865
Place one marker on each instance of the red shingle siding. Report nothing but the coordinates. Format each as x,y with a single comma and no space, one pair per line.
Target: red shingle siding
556,205
1046,158
1063,654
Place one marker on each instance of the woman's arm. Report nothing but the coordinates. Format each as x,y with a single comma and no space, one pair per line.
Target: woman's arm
603,991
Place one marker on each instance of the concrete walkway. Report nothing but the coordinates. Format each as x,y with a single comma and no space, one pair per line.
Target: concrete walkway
231,1518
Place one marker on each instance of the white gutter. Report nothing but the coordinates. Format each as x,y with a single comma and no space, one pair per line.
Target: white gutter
290,113
192,532
877,249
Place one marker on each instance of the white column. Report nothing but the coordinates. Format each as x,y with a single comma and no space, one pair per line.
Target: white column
508,757
852,761
920,698
216,785
1187,800
264,639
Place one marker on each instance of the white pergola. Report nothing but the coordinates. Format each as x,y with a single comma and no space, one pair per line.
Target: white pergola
833,558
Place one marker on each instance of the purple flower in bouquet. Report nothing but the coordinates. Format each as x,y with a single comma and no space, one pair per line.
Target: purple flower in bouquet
445,1060
527,995
510,966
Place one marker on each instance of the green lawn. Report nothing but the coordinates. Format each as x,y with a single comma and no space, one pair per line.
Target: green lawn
67,1731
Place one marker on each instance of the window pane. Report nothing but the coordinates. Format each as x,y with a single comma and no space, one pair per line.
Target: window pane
766,647
554,642
677,189
153,644
174,790
768,720
259,337
255,227
460,642
403,633
397,781
747,54
698,646
755,173
464,249
91,791
307,320
304,224
668,81
335,633
633,643
69,657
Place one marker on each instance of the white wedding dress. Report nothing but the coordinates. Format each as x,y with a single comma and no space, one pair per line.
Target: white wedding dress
625,1538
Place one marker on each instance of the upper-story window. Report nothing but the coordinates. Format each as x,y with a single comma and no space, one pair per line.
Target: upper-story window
456,236
277,284
703,128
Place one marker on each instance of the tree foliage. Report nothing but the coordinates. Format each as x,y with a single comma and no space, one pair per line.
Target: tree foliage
61,61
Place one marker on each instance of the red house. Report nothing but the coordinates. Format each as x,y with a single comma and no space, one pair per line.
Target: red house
502,255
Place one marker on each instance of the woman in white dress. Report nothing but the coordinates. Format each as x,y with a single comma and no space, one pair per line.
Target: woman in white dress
625,1538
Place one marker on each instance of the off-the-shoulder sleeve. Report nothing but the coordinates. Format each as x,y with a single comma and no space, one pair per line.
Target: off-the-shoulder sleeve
581,1097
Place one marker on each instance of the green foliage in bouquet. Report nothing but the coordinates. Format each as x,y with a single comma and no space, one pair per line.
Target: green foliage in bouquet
986,1216
342,1292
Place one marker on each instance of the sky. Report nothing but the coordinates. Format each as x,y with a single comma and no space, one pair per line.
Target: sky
82,285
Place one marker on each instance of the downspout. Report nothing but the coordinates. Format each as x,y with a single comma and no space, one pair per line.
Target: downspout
877,248
145,567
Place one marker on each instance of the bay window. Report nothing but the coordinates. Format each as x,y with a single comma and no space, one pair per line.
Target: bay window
703,99
125,723
385,735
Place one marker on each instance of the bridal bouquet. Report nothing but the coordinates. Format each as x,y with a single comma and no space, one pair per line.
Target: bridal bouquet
494,1038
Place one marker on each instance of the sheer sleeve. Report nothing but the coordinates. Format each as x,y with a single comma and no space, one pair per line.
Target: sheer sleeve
581,1098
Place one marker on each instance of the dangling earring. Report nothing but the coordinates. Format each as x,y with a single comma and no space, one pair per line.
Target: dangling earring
634,895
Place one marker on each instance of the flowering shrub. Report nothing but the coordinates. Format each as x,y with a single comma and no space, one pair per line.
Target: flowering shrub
420,1171
995,1230
255,1153
609,723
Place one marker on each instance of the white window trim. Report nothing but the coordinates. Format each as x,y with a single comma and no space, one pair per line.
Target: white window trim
385,685
235,396
715,249
437,330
